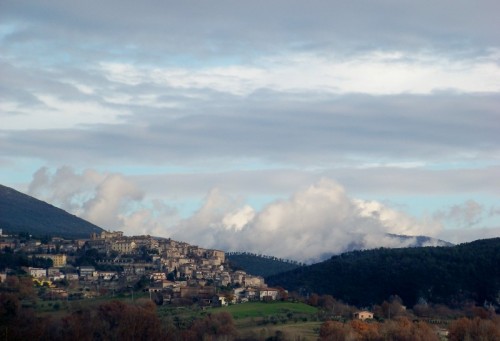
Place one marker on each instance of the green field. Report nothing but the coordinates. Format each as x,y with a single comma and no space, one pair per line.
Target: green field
261,309
258,319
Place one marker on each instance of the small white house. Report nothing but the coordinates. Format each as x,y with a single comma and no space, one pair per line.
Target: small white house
363,315
222,300
37,272
87,271
268,294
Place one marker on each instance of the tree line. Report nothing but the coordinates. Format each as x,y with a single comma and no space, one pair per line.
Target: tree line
260,265
447,275
284,260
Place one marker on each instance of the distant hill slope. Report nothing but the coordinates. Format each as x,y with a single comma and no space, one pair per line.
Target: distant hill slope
448,275
265,266
259,265
419,241
22,213
396,240
388,240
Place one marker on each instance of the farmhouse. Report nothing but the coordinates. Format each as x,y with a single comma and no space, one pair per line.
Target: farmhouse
268,294
363,315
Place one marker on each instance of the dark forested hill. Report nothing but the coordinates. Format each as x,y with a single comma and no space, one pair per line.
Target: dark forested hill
259,265
21,213
449,275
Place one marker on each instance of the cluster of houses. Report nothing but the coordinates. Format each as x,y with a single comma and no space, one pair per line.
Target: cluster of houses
170,270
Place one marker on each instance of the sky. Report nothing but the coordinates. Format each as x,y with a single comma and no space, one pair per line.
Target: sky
288,128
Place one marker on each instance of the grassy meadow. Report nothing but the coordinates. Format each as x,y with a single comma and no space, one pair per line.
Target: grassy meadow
262,309
295,320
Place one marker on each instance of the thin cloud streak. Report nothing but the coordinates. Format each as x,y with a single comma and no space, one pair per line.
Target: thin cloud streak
376,73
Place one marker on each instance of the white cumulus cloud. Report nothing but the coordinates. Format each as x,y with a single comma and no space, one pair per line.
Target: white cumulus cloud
313,223
109,200
316,221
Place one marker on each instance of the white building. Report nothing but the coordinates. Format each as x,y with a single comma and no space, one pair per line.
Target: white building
268,294
37,272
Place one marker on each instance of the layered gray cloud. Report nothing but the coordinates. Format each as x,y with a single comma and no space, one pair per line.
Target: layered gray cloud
129,113
241,28
407,128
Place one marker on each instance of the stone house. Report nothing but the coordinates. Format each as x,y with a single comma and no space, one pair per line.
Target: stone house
268,294
124,246
363,315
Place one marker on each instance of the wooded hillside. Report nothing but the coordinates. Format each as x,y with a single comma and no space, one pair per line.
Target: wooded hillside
260,265
449,275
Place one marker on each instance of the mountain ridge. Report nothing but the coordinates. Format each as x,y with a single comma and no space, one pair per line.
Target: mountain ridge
20,212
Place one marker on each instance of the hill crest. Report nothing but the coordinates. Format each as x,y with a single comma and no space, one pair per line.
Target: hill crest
20,212
449,275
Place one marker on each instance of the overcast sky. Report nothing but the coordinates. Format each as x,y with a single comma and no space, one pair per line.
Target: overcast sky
289,128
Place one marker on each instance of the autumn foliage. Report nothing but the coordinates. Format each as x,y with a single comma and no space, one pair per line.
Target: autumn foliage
213,327
465,329
111,320
400,329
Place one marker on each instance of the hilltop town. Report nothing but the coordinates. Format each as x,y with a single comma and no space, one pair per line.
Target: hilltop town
109,263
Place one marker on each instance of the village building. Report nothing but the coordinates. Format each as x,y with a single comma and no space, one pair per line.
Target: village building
55,274
254,281
268,294
158,276
58,260
106,235
86,271
146,242
216,254
107,275
72,276
7,243
124,246
363,315
37,272
3,277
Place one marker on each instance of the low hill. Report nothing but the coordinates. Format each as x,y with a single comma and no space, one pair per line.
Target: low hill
260,265
449,275
395,240
22,213
419,241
